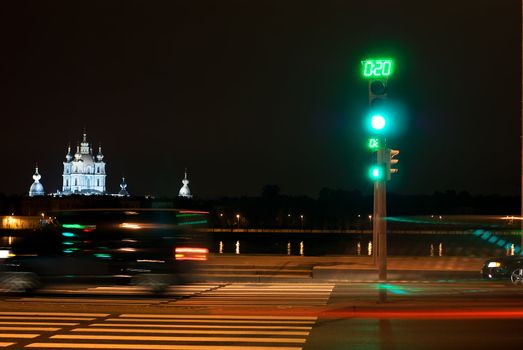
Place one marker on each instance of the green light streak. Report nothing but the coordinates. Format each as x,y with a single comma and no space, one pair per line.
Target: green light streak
392,289
103,256
68,234
186,215
193,222
75,226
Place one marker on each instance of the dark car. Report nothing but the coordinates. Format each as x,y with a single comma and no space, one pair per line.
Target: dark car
506,267
152,248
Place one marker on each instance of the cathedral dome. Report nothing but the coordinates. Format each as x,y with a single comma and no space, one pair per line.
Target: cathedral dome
36,189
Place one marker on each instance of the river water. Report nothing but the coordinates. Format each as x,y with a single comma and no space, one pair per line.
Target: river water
478,244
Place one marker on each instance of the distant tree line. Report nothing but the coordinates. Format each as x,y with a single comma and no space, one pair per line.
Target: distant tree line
332,209
341,209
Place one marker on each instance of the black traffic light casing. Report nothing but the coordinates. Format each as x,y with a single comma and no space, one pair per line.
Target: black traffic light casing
377,93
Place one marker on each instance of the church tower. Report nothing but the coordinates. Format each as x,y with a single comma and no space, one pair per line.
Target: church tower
123,189
185,191
36,188
84,173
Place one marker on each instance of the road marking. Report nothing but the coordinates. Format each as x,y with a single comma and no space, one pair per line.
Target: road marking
90,301
53,314
270,291
244,302
154,346
176,332
18,335
46,318
208,321
261,294
41,323
192,331
223,317
38,329
188,339
196,326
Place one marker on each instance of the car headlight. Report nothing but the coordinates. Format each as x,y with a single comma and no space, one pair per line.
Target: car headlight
5,253
494,264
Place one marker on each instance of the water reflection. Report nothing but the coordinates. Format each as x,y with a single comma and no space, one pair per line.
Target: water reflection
440,249
360,246
6,241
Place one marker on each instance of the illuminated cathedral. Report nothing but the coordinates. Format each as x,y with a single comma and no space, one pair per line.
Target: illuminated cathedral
84,173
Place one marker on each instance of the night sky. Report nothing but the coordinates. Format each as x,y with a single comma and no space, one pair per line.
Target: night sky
249,93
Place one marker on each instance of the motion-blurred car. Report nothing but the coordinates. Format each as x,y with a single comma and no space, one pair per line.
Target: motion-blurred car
151,248
507,267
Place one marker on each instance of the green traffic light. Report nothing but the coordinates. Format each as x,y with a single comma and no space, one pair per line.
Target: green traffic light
376,173
377,122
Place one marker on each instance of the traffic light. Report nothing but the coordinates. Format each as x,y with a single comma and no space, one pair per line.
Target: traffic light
378,122
377,94
391,153
377,71
376,173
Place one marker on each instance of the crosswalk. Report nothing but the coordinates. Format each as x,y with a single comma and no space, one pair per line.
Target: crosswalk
45,330
306,294
230,294
113,295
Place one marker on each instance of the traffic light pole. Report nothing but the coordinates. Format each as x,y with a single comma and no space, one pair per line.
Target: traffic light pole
379,227
378,72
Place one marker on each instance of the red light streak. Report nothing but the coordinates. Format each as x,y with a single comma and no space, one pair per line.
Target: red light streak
388,314
190,253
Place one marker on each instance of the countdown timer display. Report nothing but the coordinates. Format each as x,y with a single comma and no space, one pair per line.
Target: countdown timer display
377,68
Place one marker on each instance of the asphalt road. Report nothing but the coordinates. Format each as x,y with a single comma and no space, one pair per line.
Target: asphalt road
268,316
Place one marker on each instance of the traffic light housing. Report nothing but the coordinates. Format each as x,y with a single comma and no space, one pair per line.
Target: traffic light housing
391,161
378,72
377,94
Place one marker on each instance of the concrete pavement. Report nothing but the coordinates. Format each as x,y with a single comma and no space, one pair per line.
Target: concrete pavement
259,268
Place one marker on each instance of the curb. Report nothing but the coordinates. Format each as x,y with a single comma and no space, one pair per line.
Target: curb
407,275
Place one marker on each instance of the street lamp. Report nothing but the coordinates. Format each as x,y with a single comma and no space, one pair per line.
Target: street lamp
301,219
238,217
